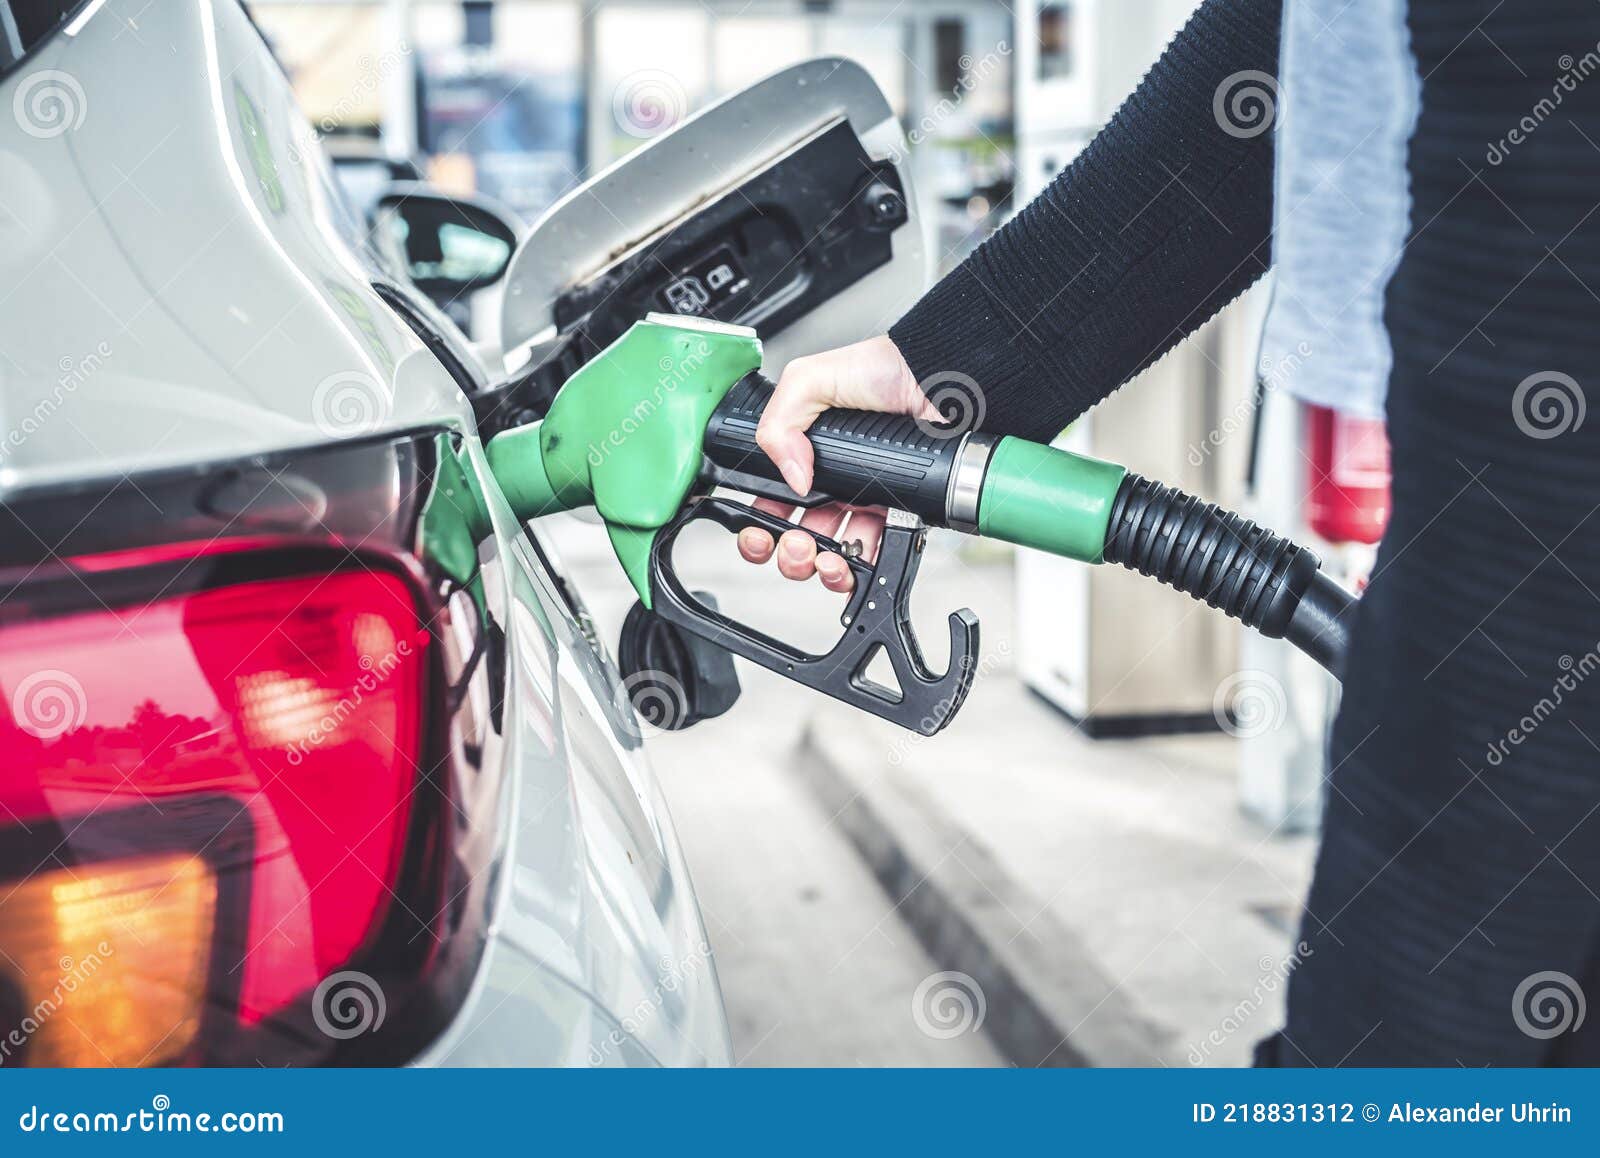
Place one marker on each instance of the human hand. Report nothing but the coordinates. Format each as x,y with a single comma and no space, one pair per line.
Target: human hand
869,375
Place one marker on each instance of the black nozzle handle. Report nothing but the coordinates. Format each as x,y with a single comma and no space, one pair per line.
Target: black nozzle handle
870,459
1246,571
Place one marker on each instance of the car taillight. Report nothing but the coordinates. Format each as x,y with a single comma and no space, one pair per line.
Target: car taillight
89,1002
206,800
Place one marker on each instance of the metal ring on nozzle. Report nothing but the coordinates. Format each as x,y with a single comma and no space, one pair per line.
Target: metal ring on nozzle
966,481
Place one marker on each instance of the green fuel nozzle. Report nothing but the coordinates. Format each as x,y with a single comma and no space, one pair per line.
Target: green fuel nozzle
645,431
624,434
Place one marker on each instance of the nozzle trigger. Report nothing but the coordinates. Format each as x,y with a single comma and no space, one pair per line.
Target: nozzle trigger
876,619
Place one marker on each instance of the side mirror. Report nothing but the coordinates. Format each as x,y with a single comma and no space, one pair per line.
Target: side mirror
447,246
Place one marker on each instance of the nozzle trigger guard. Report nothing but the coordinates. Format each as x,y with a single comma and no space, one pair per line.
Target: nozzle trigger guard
876,618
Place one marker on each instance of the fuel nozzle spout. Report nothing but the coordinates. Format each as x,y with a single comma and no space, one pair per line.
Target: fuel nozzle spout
624,433
516,458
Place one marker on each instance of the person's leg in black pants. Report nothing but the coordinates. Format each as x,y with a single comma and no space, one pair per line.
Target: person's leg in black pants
1461,855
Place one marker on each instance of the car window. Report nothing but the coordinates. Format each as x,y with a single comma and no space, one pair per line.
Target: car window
26,24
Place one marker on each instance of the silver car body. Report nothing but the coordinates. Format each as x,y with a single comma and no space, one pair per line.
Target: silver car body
181,285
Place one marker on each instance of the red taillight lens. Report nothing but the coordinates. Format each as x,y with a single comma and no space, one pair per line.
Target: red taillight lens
295,706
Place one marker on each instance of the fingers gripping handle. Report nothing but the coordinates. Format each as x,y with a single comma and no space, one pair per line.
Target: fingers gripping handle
862,457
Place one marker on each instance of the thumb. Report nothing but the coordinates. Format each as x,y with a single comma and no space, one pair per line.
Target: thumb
781,437
795,459
794,406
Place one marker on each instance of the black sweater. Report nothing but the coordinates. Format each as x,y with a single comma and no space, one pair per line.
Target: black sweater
1461,850
1459,870
1164,218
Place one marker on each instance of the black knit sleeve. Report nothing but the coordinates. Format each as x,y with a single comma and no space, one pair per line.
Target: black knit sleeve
1162,220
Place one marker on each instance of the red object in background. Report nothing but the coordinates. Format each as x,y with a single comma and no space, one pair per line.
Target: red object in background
1347,493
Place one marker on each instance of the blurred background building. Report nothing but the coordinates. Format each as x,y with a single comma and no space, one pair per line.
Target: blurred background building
520,99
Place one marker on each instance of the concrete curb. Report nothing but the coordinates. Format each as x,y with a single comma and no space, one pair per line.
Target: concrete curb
1049,1003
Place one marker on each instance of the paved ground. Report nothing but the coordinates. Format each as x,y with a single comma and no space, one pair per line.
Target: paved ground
1107,899
816,967
1114,885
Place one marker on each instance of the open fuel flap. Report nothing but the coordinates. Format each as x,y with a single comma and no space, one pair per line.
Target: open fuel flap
786,207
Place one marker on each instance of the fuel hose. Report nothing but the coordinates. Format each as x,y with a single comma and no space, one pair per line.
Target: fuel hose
1060,502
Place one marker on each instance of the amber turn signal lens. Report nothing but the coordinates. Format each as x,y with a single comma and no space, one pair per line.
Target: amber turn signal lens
105,964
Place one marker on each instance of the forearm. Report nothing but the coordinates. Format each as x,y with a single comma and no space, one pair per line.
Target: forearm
1164,218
